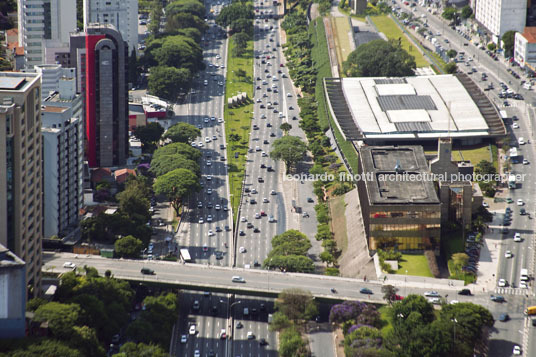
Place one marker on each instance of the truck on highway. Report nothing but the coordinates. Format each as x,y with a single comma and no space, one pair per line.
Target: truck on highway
531,310
185,255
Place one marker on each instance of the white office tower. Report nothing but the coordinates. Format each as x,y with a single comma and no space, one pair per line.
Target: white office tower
63,154
44,25
500,16
123,14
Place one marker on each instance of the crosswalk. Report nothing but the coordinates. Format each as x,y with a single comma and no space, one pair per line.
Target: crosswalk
513,291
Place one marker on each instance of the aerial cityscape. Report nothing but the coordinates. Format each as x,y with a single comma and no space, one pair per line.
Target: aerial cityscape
243,178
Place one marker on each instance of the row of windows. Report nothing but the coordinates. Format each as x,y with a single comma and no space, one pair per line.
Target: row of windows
401,243
406,214
402,227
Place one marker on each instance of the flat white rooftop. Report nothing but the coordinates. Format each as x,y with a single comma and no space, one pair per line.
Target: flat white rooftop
413,107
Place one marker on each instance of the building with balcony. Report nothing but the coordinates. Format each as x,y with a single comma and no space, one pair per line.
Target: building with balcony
123,14
21,178
63,159
44,24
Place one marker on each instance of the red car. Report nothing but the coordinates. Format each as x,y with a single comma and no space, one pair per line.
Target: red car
398,297
281,65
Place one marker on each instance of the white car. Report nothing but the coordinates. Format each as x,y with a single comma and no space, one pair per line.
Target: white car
200,144
218,56
253,190
206,120
69,265
238,279
485,204
217,207
264,154
197,353
273,192
184,338
192,330
289,95
243,219
207,139
209,177
521,141
434,300
257,215
201,220
194,144
220,120
515,126
520,202
517,237
242,250
525,162
209,163
210,233
502,283
508,254
523,285
265,200
517,351
452,302
209,218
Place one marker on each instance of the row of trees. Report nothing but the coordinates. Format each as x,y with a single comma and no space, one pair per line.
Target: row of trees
174,55
416,329
176,165
238,16
298,51
295,308
289,253
290,149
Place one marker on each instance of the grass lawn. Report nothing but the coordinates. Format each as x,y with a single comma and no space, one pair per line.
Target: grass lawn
474,154
342,30
386,25
238,120
385,319
415,265
321,59
338,222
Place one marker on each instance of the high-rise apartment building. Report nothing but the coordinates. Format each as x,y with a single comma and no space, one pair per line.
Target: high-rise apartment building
63,158
21,212
123,14
500,16
44,24
100,57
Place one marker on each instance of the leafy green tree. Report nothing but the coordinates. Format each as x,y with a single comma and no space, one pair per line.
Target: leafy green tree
179,52
234,12
193,7
130,349
298,305
182,20
166,163
292,344
285,127
128,247
289,149
61,318
294,23
149,133
473,325
156,17
240,41
452,53
176,185
364,341
451,68
45,347
85,339
492,46
280,321
191,32
182,133
33,304
234,137
242,25
466,12
508,42
5,65
327,258
379,58
134,202
290,263
449,13
168,82
485,167
190,152
389,293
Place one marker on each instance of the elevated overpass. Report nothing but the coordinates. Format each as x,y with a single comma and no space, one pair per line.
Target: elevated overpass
218,279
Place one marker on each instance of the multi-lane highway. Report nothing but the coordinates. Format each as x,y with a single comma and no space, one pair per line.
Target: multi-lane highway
207,230
263,211
518,330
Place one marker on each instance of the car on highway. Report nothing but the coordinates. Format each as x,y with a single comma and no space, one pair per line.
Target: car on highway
502,283
69,265
184,338
219,255
365,291
147,271
520,202
223,334
432,294
210,233
205,248
251,336
516,351
217,207
273,193
508,254
238,279
517,237
515,126
242,250
525,162
196,305
466,292
197,353
209,218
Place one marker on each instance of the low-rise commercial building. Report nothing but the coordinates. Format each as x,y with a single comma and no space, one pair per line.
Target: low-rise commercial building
12,295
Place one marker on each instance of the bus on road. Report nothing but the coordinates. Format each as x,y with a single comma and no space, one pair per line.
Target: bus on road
531,310
185,255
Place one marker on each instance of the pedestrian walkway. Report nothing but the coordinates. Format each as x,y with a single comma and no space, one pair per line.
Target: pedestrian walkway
513,291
